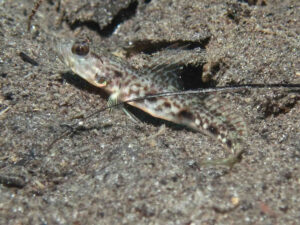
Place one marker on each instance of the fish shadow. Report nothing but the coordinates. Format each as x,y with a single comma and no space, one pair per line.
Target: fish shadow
82,84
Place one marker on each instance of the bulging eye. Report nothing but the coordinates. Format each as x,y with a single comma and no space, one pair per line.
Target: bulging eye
81,48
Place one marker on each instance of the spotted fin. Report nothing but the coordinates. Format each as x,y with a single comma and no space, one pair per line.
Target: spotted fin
228,114
164,68
214,117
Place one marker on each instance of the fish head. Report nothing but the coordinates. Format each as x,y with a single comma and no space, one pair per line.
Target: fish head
80,58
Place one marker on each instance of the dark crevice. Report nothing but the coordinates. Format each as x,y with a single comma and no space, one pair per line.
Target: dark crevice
148,47
107,31
51,2
28,59
3,75
90,24
255,2
12,180
191,77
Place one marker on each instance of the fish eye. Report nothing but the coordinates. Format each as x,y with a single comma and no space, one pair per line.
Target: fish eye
81,48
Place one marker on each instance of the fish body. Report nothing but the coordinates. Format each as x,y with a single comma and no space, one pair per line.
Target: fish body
208,115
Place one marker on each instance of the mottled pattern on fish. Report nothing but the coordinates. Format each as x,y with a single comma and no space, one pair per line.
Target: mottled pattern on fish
207,114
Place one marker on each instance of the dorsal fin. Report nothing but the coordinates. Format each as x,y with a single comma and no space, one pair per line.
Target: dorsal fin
164,68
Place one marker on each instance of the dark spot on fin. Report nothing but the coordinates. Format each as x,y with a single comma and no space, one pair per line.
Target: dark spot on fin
186,114
213,129
151,99
167,104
